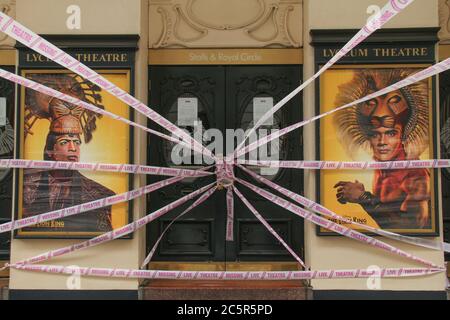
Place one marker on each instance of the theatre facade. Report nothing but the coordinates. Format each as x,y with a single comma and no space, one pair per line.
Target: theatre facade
209,65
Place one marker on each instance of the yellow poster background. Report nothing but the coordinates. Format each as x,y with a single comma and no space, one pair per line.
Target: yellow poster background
331,149
110,144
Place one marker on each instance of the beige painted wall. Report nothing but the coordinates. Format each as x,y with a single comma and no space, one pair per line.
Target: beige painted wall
348,14
338,252
119,253
97,17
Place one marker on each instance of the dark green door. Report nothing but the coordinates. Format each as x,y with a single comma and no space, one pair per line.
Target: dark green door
224,97
199,236
247,86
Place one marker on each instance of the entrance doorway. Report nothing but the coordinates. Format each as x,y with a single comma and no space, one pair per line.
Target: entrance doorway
224,98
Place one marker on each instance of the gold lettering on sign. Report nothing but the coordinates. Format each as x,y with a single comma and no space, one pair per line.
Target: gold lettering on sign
329,53
225,57
50,224
403,52
35,57
83,57
380,52
102,57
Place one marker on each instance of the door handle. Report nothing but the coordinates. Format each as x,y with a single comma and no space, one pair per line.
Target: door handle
186,191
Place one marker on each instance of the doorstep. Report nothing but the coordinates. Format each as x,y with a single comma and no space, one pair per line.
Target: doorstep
224,290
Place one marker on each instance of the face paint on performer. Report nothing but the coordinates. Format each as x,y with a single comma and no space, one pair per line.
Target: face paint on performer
385,125
67,148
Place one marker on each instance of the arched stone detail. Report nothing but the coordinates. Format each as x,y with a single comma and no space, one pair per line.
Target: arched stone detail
232,24
8,7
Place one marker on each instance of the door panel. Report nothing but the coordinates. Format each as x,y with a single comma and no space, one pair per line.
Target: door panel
252,240
200,235
225,100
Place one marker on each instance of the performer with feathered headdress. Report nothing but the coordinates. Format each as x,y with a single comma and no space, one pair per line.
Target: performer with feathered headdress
46,191
393,127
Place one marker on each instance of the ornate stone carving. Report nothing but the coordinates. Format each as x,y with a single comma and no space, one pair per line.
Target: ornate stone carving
231,23
444,20
8,7
221,20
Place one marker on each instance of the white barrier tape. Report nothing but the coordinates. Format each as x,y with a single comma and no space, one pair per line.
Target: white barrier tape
232,275
117,233
343,165
317,208
389,11
33,41
268,227
64,97
200,200
100,167
88,206
328,224
229,235
421,75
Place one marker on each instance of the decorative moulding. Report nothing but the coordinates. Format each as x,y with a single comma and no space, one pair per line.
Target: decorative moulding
231,23
8,7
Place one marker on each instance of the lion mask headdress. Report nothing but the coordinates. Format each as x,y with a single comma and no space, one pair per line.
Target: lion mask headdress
353,125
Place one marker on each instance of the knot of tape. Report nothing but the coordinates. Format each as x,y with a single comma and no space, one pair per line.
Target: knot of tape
224,172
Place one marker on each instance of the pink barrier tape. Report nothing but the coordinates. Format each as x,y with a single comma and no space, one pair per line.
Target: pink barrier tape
316,207
229,235
268,227
117,233
224,172
421,75
389,11
328,224
33,41
64,97
101,167
225,179
341,165
200,200
77,209
232,275
96,204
